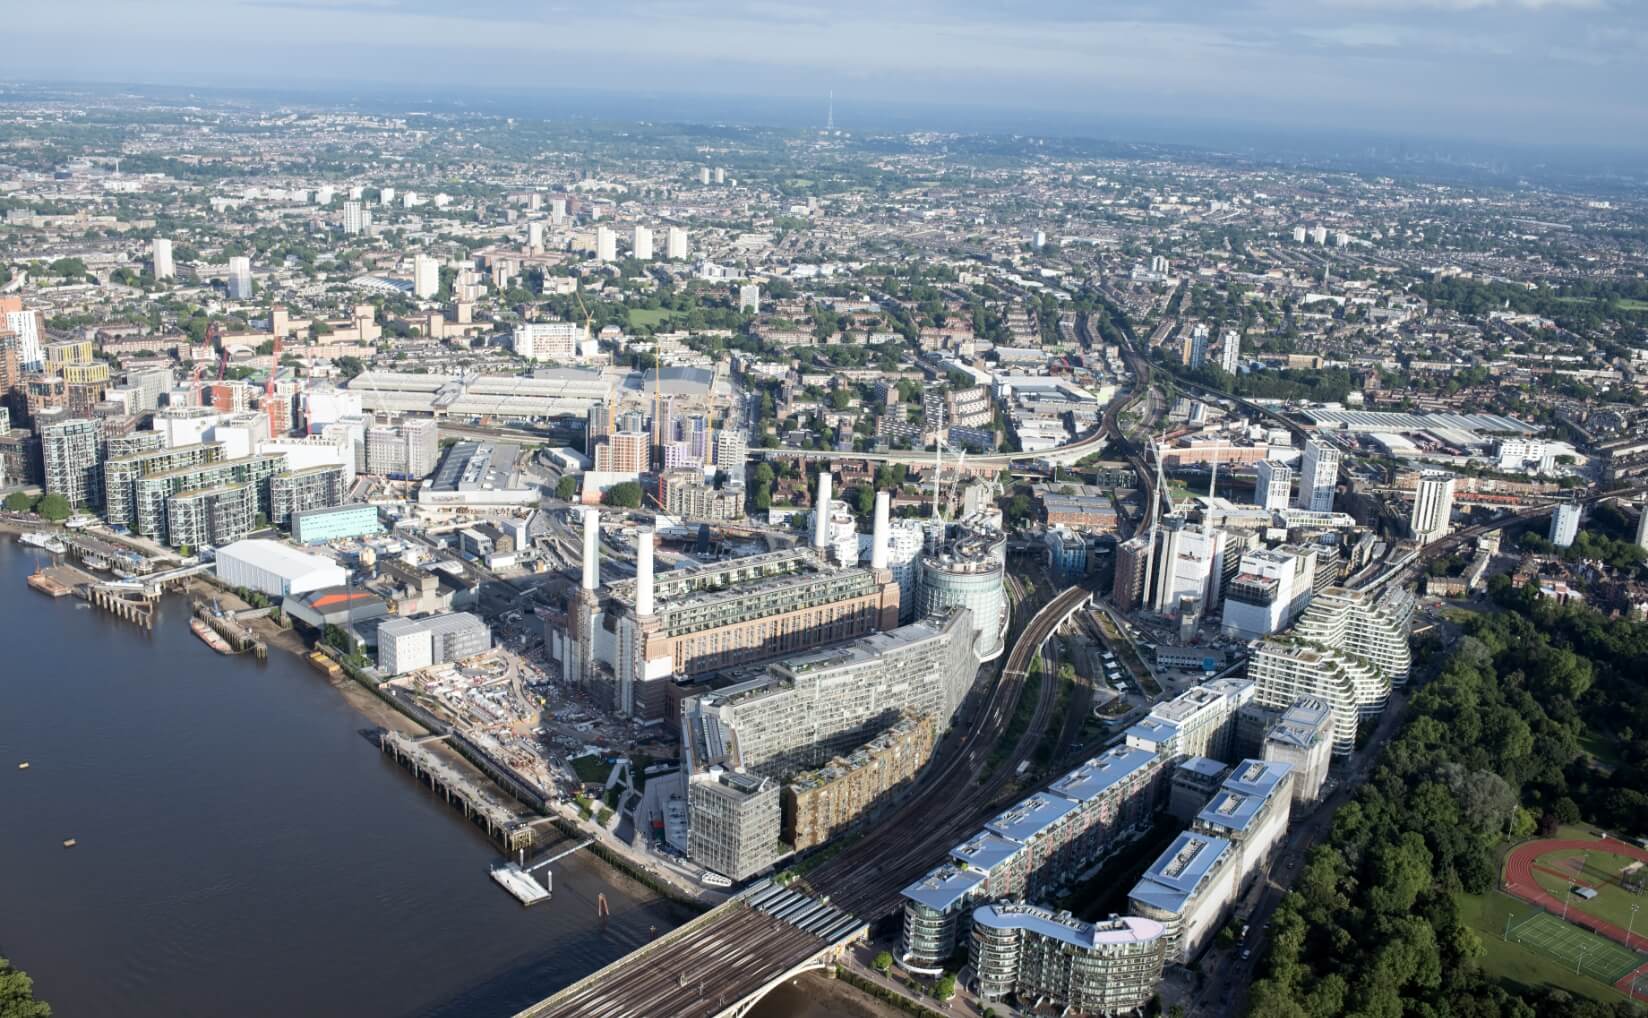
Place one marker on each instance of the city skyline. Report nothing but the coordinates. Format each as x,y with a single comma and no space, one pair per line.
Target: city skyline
1511,71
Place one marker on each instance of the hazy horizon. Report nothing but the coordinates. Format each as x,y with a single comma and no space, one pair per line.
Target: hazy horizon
1517,72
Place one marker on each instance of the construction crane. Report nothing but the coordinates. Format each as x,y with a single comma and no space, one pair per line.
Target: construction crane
589,316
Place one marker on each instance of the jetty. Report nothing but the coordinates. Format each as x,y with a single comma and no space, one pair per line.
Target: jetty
520,884
49,585
500,823
137,607
237,638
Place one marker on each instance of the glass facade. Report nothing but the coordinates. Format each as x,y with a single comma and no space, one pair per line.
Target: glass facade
1036,955
317,526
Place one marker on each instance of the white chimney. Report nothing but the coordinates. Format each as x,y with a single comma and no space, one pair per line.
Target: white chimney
880,535
643,574
592,549
821,513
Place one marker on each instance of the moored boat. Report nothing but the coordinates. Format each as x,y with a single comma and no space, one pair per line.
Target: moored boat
210,637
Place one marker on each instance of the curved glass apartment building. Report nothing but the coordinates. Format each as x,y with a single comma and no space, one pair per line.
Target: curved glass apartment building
1034,954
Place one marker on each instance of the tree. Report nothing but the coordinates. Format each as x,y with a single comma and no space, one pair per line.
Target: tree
883,962
54,507
18,502
17,994
71,268
334,636
1018,510
945,988
624,495
566,487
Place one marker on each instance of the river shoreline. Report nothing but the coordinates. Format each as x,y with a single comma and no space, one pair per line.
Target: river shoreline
212,798
383,712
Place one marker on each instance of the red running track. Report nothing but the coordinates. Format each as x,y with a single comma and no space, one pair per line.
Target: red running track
1520,882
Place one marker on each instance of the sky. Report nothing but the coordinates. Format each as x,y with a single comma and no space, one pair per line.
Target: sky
1549,72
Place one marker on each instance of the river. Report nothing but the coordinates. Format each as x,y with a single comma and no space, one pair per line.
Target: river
242,849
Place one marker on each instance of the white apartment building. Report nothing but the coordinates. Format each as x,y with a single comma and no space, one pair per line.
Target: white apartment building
676,244
161,256
641,244
1251,812
606,244
1231,352
1273,485
1432,506
552,341
1318,475
1348,650
240,278
1303,739
426,276
1200,722
1269,591
356,219
1188,889
1189,563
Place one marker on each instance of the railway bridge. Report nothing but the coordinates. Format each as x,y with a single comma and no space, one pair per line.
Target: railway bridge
719,965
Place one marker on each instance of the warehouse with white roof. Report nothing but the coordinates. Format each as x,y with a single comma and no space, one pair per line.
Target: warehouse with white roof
276,569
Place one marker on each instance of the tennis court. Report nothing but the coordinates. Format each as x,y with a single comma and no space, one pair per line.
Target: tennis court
1598,957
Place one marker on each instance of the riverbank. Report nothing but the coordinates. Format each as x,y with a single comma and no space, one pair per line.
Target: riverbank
816,995
212,795
385,712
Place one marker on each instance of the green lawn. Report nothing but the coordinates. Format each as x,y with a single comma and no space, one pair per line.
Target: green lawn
649,317
1601,748
591,768
1514,964
1633,305
1612,903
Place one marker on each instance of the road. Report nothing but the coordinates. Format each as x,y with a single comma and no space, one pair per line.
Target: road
1110,426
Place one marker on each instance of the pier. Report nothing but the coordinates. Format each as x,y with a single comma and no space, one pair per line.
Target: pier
48,584
138,609
515,880
240,639
500,824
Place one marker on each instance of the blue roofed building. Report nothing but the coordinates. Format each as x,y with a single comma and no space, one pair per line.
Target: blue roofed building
1188,889
1251,812
936,912
1026,851
1004,863
1042,824
1116,792
1201,721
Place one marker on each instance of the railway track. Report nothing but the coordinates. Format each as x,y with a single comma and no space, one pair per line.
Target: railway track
1110,426
866,878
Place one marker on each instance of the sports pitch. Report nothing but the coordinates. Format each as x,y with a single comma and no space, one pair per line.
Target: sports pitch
1586,952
